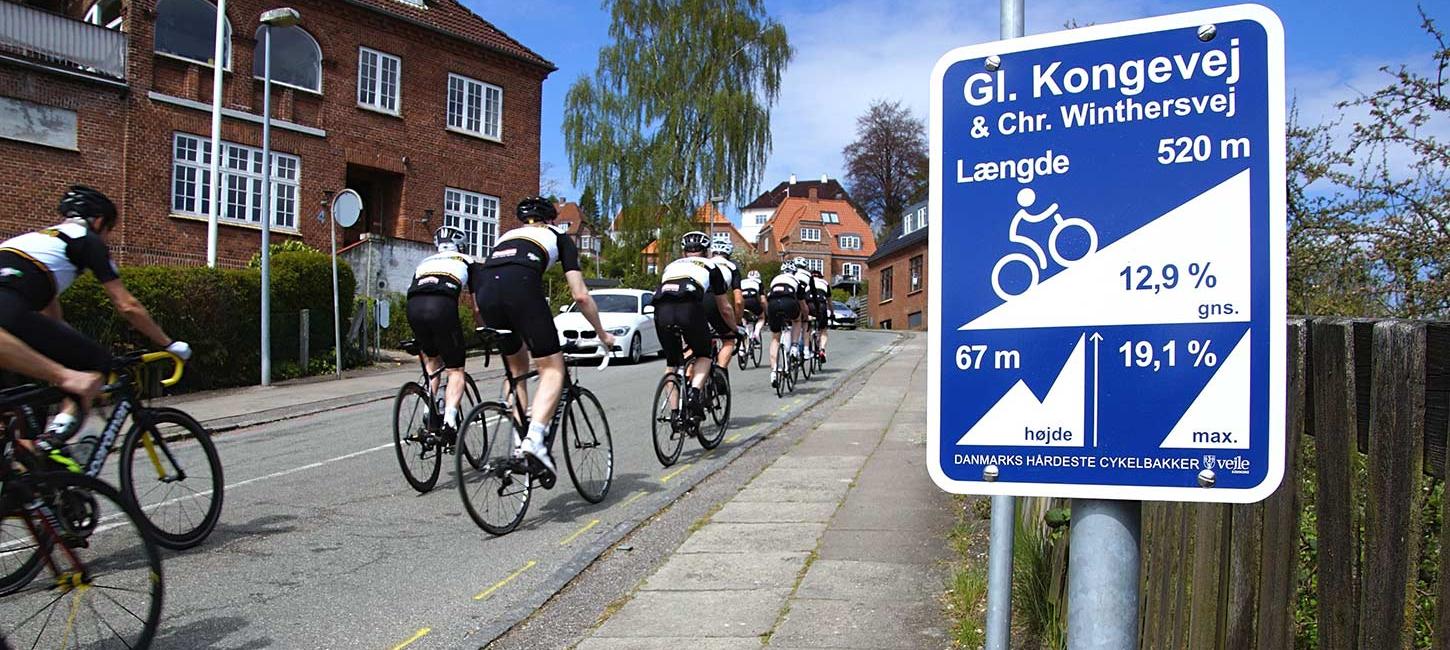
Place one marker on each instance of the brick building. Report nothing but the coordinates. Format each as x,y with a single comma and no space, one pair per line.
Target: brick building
583,233
828,232
427,110
897,275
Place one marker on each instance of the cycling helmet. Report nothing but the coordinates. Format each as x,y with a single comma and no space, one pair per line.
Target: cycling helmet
536,208
722,247
448,239
753,275
81,202
799,262
695,242
787,267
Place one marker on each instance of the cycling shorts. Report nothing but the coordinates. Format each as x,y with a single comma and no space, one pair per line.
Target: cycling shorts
511,297
781,311
819,313
754,305
681,324
51,338
436,328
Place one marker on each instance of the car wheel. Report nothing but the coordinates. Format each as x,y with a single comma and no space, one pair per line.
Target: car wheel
635,349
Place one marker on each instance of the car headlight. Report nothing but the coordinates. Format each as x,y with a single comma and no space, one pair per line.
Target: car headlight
618,331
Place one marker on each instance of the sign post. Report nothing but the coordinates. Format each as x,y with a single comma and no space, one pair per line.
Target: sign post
345,209
1108,280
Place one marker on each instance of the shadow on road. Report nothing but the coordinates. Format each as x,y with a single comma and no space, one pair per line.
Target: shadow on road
207,633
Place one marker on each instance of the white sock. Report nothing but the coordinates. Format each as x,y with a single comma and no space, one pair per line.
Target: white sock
60,422
450,416
537,431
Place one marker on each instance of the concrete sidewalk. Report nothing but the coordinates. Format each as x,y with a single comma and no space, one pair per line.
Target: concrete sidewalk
840,543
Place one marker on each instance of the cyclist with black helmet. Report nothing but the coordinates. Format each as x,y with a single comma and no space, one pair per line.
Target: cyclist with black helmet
687,286
720,251
509,288
37,267
433,299
783,307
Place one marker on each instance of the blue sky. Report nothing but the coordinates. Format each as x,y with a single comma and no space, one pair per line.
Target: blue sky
852,52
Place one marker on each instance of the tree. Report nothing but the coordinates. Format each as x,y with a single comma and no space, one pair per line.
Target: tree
678,108
548,185
886,167
589,207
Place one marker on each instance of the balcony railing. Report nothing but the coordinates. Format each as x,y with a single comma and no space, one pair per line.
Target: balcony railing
61,41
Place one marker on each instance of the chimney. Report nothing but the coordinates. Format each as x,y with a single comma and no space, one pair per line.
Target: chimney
811,193
792,179
825,178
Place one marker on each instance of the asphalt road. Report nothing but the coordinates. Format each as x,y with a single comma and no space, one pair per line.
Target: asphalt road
323,545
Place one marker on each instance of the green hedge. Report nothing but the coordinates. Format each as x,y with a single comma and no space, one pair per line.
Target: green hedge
399,330
216,311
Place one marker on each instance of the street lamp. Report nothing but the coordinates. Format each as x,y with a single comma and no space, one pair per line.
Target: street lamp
719,202
282,17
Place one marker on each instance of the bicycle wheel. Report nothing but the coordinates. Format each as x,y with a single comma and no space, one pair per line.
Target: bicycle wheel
778,371
496,494
471,398
588,449
666,422
742,356
176,486
105,585
755,353
419,453
20,551
805,361
717,403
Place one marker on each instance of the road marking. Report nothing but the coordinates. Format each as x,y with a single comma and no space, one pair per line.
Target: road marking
499,585
732,438
666,478
579,532
413,639
637,496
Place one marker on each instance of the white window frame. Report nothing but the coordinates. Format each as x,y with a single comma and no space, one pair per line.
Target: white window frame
830,217
859,242
241,176
258,73
816,264
460,109
93,16
374,85
760,219
476,215
813,236
851,271
916,279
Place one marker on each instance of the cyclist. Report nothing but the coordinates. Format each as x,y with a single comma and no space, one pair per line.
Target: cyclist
754,303
720,251
433,299
509,288
35,268
783,308
802,332
682,320
821,310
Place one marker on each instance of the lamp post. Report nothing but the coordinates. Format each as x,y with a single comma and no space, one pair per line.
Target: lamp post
719,202
217,63
283,17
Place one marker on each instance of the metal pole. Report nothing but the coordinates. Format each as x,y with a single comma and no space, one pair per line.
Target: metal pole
216,133
266,205
1004,508
336,311
304,326
1102,575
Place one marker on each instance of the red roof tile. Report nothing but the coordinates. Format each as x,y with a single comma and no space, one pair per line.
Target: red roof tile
454,19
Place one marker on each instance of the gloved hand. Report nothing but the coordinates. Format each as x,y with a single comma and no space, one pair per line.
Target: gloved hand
180,349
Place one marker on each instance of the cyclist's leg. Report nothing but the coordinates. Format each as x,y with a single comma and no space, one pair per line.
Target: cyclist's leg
452,353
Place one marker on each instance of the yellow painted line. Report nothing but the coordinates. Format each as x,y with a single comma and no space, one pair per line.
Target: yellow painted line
413,639
666,478
579,532
637,496
499,585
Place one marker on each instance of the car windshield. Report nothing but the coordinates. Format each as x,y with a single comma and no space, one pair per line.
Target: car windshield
841,305
613,303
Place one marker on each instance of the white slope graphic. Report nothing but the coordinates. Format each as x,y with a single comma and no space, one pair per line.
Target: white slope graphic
1210,232
1219,418
1020,420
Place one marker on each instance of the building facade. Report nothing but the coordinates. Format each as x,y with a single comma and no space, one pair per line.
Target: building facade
828,232
896,296
709,220
425,109
754,216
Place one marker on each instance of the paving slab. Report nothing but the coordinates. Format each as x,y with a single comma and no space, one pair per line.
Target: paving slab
924,547
852,462
885,511
670,643
741,512
696,614
864,581
728,571
792,479
845,624
754,538
822,494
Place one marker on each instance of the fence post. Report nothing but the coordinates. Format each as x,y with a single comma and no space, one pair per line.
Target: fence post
1335,435
303,329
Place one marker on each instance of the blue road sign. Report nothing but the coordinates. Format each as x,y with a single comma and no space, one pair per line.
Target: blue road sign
1108,261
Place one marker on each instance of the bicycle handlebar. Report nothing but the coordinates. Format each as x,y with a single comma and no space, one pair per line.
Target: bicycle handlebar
180,365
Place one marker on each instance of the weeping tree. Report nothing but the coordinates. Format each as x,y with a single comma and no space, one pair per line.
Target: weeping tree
678,109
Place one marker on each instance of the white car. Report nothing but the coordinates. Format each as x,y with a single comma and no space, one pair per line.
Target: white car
622,312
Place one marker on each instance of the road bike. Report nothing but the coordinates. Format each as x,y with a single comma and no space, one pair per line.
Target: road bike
1038,261
787,367
170,469
104,586
497,489
420,438
674,419
749,351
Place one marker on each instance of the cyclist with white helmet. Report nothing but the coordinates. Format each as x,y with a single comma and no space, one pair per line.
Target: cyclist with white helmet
783,307
821,309
720,251
687,286
438,283
803,276
753,300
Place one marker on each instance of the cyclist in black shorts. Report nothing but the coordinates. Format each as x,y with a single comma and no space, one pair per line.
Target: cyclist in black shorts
509,287
784,305
821,309
720,250
433,301
753,302
687,285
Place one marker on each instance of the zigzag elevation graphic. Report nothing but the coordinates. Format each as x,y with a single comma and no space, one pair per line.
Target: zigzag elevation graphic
1019,419
1210,230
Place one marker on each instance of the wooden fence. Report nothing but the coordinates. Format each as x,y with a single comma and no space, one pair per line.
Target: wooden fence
1367,428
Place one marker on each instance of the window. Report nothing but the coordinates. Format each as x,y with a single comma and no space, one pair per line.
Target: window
241,181
913,320
378,80
722,236
851,271
476,215
107,13
830,217
886,289
760,219
851,242
186,29
296,58
810,234
886,324
815,264
916,264
475,107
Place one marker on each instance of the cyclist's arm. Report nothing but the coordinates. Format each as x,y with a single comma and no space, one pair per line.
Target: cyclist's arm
53,310
135,313
16,355
581,296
